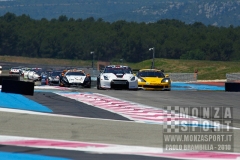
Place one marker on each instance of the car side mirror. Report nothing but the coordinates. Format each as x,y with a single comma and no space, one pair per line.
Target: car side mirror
166,76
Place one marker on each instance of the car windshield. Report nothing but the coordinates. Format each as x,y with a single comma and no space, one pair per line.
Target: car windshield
150,74
117,70
75,74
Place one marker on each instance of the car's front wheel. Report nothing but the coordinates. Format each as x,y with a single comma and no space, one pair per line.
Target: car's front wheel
99,85
168,89
63,84
88,85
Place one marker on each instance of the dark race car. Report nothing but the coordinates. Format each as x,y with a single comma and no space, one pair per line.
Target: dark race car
54,78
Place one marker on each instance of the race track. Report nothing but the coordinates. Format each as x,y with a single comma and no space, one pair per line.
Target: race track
101,124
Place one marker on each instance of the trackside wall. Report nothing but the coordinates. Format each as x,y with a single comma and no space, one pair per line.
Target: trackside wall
231,77
182,77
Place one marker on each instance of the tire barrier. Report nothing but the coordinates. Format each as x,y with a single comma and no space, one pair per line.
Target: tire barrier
13,77
232,86
18,87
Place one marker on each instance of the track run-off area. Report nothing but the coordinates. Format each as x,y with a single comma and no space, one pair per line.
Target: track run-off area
76,123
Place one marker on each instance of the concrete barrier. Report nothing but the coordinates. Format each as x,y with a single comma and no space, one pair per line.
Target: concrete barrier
233,77
93,83
182,77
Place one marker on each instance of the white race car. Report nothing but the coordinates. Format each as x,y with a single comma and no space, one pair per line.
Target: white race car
75,78
15,70
24,71
34,74
117,77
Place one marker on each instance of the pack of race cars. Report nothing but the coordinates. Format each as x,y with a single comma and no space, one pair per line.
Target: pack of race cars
112,77
122,77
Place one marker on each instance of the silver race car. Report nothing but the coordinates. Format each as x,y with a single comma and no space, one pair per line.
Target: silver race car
117,77
54,77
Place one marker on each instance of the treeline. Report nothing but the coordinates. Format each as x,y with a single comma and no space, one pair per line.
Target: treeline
68,38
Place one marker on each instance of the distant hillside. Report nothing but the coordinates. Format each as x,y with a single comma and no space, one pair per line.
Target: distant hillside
209,12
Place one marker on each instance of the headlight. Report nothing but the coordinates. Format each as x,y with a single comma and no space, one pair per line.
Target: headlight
141,80
133,78
165,80
105,78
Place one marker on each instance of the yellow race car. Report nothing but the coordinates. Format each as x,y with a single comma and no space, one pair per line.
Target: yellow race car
153,79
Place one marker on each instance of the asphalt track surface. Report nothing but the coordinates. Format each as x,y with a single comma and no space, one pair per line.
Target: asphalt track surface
75,154
66,106
96,125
